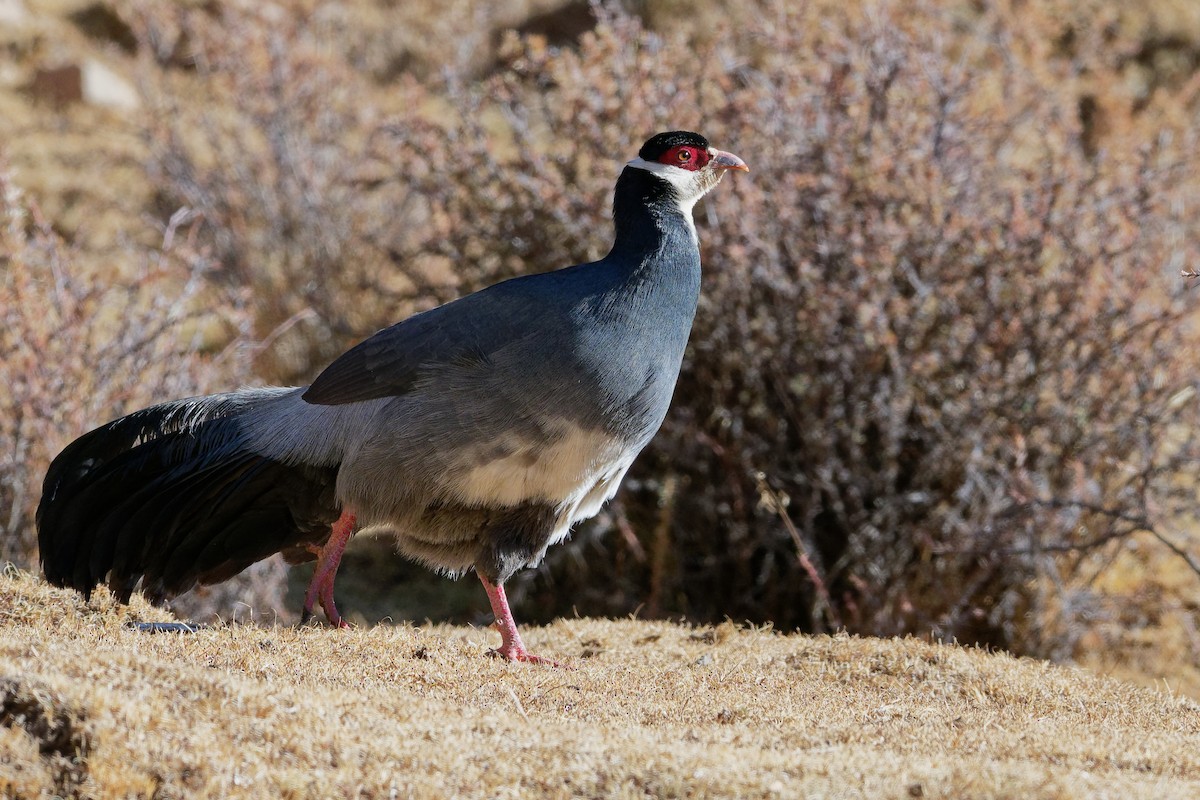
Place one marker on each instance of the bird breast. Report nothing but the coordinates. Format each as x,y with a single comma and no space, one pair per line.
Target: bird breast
566,469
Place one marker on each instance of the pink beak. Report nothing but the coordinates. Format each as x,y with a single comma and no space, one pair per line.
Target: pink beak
723,160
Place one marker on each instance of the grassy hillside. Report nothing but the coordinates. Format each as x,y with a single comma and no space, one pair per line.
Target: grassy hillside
939,382
89,707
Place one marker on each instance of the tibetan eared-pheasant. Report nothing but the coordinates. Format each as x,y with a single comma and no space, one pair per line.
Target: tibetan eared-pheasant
477,432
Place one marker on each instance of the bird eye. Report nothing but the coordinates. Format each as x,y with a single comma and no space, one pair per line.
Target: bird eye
685,156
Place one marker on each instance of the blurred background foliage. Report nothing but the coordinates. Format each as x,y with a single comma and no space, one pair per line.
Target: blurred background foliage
939,382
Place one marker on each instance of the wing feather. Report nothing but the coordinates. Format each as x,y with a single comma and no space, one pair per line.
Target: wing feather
466,331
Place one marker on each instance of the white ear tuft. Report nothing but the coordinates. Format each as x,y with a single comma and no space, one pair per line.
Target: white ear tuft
687,188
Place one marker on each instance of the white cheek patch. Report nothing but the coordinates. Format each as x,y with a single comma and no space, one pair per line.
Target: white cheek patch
687,188
683,180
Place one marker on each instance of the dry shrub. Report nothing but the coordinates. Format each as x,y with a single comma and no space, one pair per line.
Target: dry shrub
258,125
338,219
82,348
936,367
935,379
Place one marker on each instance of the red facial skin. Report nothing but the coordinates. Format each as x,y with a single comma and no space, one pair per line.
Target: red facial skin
686,156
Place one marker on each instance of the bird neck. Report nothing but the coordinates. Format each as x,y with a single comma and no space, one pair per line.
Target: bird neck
650,221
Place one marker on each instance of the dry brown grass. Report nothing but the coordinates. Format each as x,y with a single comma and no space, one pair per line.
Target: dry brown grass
651,709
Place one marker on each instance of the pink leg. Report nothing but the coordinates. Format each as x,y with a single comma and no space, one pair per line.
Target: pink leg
511,646
320,588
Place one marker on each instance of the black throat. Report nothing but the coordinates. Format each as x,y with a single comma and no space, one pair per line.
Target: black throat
648,219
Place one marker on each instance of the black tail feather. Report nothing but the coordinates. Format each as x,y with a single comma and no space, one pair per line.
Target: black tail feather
83,462
172,496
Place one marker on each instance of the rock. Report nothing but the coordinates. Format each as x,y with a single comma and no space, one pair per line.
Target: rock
102,23
104,87
561,27
59,85
13,12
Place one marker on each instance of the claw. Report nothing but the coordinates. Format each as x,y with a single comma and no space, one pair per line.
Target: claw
523,655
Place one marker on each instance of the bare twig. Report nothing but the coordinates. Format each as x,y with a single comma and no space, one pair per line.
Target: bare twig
776,504
1139,523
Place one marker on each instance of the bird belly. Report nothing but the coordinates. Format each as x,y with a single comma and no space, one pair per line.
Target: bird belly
518,493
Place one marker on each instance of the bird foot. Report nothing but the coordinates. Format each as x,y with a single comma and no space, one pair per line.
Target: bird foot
331,612
320,588
517,653
511,647
324,596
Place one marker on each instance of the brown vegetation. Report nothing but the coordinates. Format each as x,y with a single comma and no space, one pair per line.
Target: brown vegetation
79,346
939,382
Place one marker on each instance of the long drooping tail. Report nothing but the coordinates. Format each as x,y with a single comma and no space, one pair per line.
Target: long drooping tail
174,495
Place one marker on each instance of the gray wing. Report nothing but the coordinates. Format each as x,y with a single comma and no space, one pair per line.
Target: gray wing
465,332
